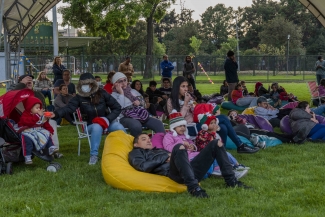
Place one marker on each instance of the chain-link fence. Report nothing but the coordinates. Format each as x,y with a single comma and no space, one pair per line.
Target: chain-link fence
251,68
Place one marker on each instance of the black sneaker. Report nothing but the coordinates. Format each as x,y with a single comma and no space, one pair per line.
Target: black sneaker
246,149
199,192
238,184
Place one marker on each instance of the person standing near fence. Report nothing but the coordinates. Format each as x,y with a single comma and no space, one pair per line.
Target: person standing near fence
320,69
189,70
57,69
127,68
166,69
231,67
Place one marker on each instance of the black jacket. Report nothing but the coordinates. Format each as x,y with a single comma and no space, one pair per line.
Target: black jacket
88,109
150,160
153,94
231,71
58,72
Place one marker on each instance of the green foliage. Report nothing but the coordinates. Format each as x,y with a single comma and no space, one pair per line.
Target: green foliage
177,39
195,44
159,49
217,24
231,44
317,45
135,45
275,35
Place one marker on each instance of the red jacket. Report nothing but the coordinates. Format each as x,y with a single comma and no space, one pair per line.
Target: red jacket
30,120
235,95
108,87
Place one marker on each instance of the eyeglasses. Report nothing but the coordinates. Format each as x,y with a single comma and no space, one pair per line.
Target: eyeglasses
121,81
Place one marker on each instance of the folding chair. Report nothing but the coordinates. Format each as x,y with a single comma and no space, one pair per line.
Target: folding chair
81,128
314,94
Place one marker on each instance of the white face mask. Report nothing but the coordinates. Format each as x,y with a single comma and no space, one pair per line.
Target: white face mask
99,83
85,88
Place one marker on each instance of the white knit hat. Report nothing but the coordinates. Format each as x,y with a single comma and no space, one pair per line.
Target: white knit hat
176,119
117,76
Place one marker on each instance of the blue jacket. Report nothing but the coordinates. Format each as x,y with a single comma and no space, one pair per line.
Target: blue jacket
167,68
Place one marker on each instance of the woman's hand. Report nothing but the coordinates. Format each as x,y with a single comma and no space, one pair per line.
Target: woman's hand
136,103
52,115
118,88
187,97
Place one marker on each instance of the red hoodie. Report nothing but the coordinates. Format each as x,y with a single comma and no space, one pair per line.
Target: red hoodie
30,120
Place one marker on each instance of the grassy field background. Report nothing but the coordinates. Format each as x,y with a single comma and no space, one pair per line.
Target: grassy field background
287,181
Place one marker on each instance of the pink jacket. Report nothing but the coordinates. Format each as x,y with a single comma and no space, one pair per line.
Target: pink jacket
170,141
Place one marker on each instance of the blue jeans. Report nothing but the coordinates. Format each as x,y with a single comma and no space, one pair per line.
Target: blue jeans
317,132
96,131
320,110
318,78
226,129
47,93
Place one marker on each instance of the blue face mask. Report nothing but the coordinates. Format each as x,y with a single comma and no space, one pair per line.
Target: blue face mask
85,88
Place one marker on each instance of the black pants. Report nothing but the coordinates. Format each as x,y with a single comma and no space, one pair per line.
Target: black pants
190,173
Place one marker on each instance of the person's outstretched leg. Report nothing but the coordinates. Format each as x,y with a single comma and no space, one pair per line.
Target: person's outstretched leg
224,123
181,171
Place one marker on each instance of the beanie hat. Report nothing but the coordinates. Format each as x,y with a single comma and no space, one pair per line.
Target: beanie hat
175,120
215,108
117,76
102,121
30,102
86,76
205,120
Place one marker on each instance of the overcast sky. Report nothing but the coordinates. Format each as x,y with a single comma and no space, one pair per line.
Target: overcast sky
199,6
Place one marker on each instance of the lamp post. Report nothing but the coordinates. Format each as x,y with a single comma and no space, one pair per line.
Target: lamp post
237,45
288,55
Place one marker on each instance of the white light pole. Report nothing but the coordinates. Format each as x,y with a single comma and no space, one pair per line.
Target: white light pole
237,45
288,55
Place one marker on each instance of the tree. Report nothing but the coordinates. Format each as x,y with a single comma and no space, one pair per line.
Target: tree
276,32
317,46
113,16
217,24
169,21
231,44
135,45
195,44
178,39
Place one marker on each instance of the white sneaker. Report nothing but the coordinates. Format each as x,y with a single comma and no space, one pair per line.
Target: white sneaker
216,173
28,159
93,160
240,174
241,167
261,145
53,149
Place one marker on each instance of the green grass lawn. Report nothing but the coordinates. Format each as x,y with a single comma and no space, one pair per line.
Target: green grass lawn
287,180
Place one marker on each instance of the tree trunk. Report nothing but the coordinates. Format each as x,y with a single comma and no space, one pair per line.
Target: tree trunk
148,72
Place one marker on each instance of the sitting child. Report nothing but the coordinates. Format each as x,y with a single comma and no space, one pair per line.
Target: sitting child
239,99
37,130
266,111
243,84
175,164
261,91
209,125
236,119
179,135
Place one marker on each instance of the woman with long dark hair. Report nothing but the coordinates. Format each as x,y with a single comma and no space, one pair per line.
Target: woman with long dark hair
181,101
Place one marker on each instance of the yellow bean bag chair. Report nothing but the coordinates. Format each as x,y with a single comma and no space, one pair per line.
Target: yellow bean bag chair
118,173
249,111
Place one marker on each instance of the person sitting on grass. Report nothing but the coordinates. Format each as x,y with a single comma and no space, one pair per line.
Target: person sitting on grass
265,110
239,99
209,126
166,88
261,91
176,166
304,124
99,81
224,89
244,88
61,101
109,86
321,93
67,81
37,130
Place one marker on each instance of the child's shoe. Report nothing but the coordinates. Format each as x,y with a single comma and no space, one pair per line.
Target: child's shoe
28,159
240,174
53,149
